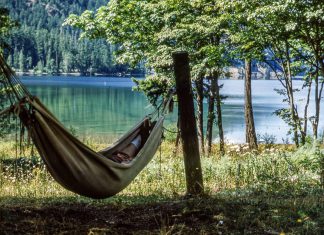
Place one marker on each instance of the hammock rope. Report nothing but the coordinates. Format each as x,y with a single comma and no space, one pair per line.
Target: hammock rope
71,163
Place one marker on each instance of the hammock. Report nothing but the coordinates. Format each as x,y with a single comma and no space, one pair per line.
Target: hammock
71,163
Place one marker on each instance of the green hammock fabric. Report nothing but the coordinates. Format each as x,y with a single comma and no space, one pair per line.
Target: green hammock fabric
78,168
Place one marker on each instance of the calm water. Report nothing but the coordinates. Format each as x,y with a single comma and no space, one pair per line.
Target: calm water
107,107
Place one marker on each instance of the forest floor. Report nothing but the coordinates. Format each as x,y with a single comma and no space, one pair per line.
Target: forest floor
277,190
236,214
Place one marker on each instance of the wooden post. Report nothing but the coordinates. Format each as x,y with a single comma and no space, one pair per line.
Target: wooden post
188,128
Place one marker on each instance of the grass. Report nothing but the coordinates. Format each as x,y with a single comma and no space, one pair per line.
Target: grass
275,169
277,189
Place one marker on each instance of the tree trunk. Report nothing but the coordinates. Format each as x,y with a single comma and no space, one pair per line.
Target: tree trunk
219,116
318,97
293,112
178,136
211,113
304,132
290,93
250,134
200,112
317,109
188,127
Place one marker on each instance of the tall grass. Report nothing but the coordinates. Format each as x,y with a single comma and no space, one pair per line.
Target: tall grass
272,170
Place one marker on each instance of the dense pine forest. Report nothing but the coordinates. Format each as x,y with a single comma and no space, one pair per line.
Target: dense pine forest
41,44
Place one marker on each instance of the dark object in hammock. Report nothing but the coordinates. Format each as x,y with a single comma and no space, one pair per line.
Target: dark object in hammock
129,152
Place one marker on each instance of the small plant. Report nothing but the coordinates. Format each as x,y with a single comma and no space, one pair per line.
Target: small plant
73,131
321,137
170,133
267,139
6,121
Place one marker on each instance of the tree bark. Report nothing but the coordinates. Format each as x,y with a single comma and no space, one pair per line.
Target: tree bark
290,93
250,134
317,109
219,116
294,117
178,135
188,128
200,112
211,113
318,97
304,132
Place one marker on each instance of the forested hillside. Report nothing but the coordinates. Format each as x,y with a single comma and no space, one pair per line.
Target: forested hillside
41,44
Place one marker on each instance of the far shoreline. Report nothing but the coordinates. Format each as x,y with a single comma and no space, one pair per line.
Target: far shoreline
122,75
77,74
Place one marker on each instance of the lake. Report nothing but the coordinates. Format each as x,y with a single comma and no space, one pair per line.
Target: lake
106,107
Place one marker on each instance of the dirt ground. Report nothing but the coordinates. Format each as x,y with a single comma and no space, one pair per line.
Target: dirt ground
186,216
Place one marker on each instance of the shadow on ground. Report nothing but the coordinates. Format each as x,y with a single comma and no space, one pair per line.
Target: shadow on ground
141,215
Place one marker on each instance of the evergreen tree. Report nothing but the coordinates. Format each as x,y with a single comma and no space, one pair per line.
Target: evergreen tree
21,61
44,42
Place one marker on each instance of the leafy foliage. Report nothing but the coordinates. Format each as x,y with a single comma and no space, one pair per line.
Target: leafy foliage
6,24
216,34
151,30
153,87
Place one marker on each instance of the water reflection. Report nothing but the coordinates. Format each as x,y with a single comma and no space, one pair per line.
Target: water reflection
107,107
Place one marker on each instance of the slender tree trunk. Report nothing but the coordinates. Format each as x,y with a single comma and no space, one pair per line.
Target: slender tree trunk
250,134
318,97
304,132
317,107
200,112
293,112
290,93
211,113
219,116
